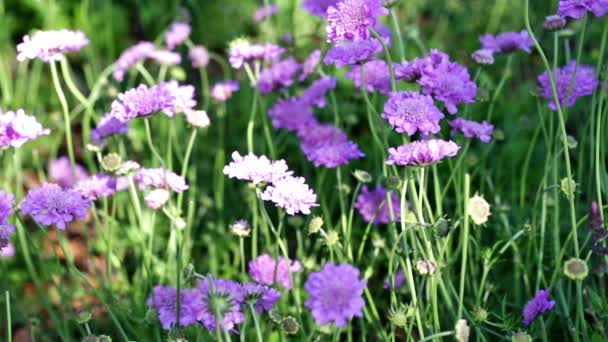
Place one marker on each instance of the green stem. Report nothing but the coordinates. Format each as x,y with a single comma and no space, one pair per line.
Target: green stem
256,322
9,322
465,239
387,55
67,77
251,122
66,116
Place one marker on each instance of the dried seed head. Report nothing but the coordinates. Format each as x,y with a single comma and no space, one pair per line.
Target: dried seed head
111,162
462,331
576,269
425,267
478,209
289,325
240,228
315,225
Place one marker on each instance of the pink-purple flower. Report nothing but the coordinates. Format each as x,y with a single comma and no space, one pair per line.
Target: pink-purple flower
165,57
50,45
160,178
107,126
473,129
373,205
142,101
352,19
60,172
412,112
264,270
291,194
537,306
262,297
507,42
349,53
17,128
265,12
156,198
222,91
310,64
96,186
50,205
242,51
291,114
225,295
578,8
256,169
164,300
315,94
422,153
6,210
569,86
318,7
199,56
376,75
177,34
325,145
130,57
182,98
278,75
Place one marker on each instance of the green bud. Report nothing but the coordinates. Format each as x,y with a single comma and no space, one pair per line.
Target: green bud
576,269
481,315
275,316
289,325
111,162
521,337
315,225
84,317
362,176
393,183
177,73
572,143
188,272
567,185
442,227
499,135
90,338
332,238
104,338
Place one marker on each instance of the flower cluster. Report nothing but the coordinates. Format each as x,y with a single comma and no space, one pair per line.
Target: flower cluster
328,146
578,8
160,178
572,81
279,75
130,57
310,64
537,305
256,169
199,56
50,45
315,94
177,34
422,153
265,270
502,43
318,7
50,205
374,207
107,126
142,101
472,129
60,172
242,51
96,186
6,210
350,53
376,76
17,128
352,19
409,112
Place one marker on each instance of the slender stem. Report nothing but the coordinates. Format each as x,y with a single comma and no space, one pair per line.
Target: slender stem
251,122
150,144
387,55
256,322
465,241
67,77
9,322
142,70
66,116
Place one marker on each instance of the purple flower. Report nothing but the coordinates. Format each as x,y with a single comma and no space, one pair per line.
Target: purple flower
583,84
156,198
507,42
165,57
315,94
177,34
291,114
279,75
472,129
130,57
96,186
262,297
256,169
265,12
554,22
142,101
446,81
373,203
351,19
17,128
291,194
160,178
108,125
222,91
262,270
377,76
164,300
399,280
335,294
6,231
483,56
320,132
578,8
182,98
8,251
199,56
242,51
60,171
50,45
332,151
349,53
310,64
536,306
318,7
6,206
225,296
422,153
49,205
409,111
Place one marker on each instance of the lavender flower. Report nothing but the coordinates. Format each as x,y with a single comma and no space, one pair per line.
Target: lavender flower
399,280
310,64
291,114
315,94
256,169
60,171
291,194
349,53
50,45
225,296
279,75
160,178
142,101
177,34
49,205
330,152
108,125
8,251
351,19
156,198
165,57
6,231
164,300
409,111
318,7
320,132
507,42
222,91
96,186
554,22
377,76
6,206
578,8
199,56
197,118
335,294
483,56
265,12
130,57
409,71
537,305
242,51
262,297
262,270
472,129
422,153
373,205
584,84
182,98
17,128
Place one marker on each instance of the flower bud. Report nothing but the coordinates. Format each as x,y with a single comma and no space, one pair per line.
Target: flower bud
84,317
478,209
462,331
576,269
362,176
111,162
521,337
289,325
315,225
425,267
240,228
554,22
567,185
481,315
442,227
332,238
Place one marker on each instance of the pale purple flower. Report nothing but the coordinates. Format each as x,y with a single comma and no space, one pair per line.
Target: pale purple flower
374,203
507,42
351,19
578,8
242,51
197,118
291,114
6,206
291,194
331,152
164,300
49,205
349,53
376,74
231,296
60,172
199,56
318,7
8,251
256,169
554,22
411,112
177,34
335,294
262,270
160,178
483,56
310,64
50,45
568,89
130,57
408,71
278,75
265,12
222,91
315,94
6,231
96,186
17,128
156,198
107,126
182,98
142,101
399,280
262,296
536,306
422,153
165,57
321,132
472,129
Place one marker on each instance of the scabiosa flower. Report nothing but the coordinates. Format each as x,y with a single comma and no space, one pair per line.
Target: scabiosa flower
422,153
321,132
60,171
199,56
50,45
182,98
291,194
399,280
222,91
472,129
262,297
554,22
242,51
177,34
310,64
265,12
256,169
164,300
584,84
483,56
6,206
224,296
142,101
409,112
8,251
291,114
578,8
160,178
335,294
318,7
507,42
351,19
377,76
241,228
165,57
373,205
130,57
349,53
49,205
17,128
262,270
315,94
96,186
6,231
279,75
197,118
156,198
536,306
331,153
108,125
